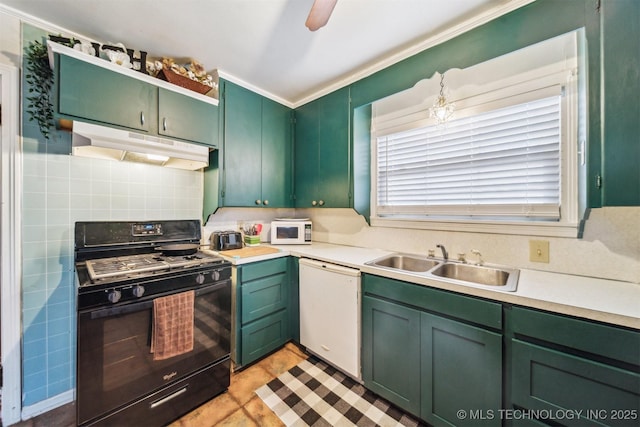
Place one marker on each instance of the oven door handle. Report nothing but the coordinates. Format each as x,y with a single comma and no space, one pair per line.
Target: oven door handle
145,305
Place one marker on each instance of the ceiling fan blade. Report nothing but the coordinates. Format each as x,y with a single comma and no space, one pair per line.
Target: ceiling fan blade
319,14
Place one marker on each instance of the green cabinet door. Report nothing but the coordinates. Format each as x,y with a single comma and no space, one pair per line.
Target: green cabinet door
262,309
391,352
334,175
461,371
264,296
180,116
92,93
621,70
277,159
307,155
323,152
572,371
257,150
242,147
263,336
592,392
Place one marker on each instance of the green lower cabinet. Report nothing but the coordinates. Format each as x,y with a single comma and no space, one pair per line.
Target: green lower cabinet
575,391
461,373
572,372
391,352
263,301
263,336
264,296
430,365
294,298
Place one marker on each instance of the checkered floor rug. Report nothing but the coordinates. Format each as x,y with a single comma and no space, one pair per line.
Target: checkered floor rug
316,394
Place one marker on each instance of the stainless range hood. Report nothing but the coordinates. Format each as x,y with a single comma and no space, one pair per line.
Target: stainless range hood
102,142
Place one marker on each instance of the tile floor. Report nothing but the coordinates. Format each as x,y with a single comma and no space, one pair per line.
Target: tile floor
238,407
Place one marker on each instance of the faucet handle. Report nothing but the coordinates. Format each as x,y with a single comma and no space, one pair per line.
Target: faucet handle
431,253
477,252
462,257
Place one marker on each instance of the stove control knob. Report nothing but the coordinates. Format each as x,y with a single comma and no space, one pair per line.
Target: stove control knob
114,296
138,290
215,275
200,279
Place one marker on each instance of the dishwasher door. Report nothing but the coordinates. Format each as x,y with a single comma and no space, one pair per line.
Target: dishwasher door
330,314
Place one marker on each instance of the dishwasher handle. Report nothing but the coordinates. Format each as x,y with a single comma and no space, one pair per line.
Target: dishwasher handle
327,266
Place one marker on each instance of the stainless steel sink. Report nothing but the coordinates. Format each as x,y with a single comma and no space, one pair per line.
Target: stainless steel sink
405,263
482,276
505,279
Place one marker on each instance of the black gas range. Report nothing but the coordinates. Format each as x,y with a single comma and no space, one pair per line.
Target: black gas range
124,270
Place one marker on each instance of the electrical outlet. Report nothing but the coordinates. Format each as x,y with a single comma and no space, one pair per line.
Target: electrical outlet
539,251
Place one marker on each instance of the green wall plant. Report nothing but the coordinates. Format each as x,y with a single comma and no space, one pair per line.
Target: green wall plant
39,77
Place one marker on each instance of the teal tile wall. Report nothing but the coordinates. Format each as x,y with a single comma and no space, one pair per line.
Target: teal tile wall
58,190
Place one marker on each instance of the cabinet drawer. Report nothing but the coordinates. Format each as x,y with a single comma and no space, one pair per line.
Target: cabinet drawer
603,340
263,268
263,296
264,336
453,305
545,379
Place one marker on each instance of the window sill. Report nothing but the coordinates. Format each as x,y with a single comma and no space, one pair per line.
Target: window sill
492,227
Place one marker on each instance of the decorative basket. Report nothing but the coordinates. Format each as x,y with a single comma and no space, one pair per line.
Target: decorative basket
182,81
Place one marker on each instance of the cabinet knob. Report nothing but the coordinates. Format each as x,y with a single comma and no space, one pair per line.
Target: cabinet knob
313,203
258,202
142,118
321,202
164,123
266,202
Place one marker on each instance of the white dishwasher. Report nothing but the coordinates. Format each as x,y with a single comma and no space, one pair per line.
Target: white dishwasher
330,313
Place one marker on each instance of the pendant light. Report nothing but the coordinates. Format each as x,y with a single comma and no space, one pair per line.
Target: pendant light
442,110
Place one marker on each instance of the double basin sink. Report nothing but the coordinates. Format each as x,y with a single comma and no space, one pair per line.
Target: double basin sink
484,276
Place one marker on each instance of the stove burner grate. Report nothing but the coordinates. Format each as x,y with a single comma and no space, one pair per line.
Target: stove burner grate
127,266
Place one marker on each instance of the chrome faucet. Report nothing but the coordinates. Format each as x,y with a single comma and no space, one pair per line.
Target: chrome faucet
445,254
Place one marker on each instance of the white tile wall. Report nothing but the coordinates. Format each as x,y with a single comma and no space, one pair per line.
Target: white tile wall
58,190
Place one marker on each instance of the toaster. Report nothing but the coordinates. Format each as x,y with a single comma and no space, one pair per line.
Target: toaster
226,240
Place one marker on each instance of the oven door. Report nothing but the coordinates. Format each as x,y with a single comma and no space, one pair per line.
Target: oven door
115,363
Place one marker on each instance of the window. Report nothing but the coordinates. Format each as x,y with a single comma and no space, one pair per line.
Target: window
507,162
502,162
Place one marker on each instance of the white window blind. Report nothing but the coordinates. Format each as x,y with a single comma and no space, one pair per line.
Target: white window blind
499,163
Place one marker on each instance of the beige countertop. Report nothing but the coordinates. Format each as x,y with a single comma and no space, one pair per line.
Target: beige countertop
603,300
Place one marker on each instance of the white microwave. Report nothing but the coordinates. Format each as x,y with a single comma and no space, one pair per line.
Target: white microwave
291,232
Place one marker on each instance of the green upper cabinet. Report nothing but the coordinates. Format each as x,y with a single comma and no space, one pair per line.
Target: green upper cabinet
257,150
187,118
86,91
242,146
323,152
277,154
621,109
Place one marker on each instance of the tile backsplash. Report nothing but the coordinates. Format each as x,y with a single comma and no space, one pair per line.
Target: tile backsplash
58,190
